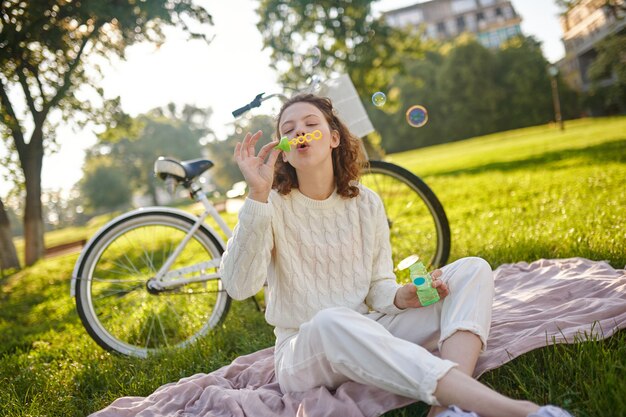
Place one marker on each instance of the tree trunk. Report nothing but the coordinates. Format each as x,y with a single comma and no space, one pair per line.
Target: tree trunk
33,214
8,254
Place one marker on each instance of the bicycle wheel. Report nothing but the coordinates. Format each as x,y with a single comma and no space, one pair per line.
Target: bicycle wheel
417,221
112,296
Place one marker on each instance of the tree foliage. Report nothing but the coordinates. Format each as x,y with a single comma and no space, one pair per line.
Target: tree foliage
43,45
131,150
349,40
467,84
104,186
525,86
470,90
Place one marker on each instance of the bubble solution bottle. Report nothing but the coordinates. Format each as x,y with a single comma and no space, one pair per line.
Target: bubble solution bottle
422,280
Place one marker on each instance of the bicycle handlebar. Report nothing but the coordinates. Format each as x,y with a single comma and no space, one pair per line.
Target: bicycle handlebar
256,102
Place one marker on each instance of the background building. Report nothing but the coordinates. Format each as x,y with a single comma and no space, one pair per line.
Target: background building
493,21
584,25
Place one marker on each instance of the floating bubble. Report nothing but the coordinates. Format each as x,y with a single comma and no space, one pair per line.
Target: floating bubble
308,60
379,99
316,83
315,55
417,116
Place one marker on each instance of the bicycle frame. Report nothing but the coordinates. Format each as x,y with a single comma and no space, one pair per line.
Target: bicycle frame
164,278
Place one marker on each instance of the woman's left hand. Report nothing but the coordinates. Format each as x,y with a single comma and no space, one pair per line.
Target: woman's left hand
406,296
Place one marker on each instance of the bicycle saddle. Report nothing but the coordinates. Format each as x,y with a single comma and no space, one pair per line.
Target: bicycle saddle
181,170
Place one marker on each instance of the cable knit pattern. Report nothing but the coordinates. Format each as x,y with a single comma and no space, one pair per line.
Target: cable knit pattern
315,254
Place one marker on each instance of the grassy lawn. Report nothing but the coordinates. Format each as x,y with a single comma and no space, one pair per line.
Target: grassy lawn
519,195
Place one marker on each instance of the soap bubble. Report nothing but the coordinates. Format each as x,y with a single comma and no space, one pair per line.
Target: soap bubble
308,60
379,99
417,116
314,55
316,83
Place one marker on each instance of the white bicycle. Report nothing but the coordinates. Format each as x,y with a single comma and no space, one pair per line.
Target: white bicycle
150,279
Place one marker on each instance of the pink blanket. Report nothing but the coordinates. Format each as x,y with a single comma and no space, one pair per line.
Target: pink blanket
550,300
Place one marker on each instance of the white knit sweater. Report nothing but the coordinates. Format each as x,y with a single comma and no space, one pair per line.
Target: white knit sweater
314,254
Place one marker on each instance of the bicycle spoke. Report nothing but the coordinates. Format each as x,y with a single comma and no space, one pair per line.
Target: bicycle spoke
148,258
173,308
149,331
149,261
116,281
162,330
117,293
125,269
134,269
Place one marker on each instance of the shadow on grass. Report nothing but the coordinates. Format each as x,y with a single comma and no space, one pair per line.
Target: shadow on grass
614,151
34,304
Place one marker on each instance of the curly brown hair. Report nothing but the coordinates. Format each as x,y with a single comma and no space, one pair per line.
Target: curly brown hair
348,158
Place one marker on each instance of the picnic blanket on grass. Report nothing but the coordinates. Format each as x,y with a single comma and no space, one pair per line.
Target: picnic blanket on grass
546,301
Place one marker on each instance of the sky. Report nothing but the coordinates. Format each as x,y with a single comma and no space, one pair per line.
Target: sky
224,75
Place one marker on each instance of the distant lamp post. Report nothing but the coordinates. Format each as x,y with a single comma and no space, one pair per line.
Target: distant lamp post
554,71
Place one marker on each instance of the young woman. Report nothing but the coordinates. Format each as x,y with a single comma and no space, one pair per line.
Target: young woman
321,241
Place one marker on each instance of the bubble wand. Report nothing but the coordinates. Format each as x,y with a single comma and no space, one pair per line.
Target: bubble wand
285,143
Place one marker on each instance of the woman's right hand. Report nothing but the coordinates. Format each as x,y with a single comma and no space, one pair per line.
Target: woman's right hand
258,173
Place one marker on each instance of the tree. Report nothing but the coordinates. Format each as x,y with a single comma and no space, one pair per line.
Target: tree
522,73
343,37
469,93
132,149
8,255
43,46
417,86
103,186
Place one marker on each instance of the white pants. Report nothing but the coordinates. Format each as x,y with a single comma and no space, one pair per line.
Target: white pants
392,352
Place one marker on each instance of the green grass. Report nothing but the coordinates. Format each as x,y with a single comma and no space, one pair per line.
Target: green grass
532,193
518,195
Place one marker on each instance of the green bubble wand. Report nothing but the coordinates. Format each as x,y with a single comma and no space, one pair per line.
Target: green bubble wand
285,143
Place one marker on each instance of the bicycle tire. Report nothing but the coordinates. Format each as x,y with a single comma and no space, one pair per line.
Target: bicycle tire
112,298
417,221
